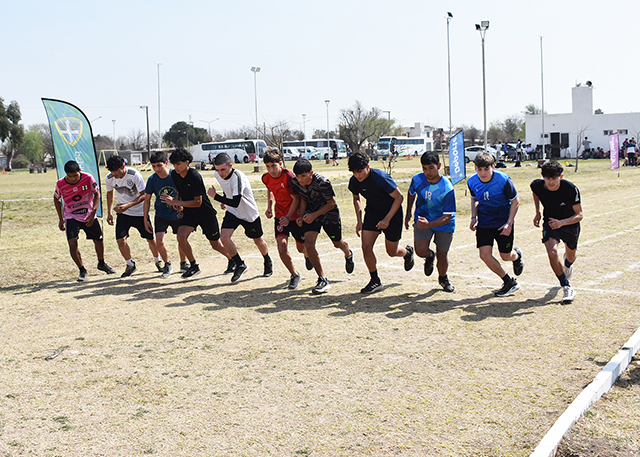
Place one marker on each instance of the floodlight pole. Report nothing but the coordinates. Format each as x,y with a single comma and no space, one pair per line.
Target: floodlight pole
482,28
449,17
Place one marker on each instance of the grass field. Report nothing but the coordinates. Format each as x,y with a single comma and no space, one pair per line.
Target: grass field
205,367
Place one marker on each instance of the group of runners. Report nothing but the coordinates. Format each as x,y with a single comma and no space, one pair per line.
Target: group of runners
302,204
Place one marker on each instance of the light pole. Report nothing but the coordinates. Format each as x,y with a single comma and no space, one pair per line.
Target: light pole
255,71
388,119
327,102
482,28
114,135
159,124
542,110
146,108
449,17
304,126
209,123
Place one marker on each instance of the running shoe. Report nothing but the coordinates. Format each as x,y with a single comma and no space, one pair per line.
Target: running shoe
231,265
348,263
159,266
322,286
428,263
102,266
446,284
294,282
193,270
508,288
82,277
568,295
268,267
239,271
567,271
184,267
518,264
408,258
167,270
128,271
373,286
308,264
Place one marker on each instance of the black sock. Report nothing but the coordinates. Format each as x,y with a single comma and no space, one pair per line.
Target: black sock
567,263
507,279
374,275
83,269
442,278
236,259
266,257
563,280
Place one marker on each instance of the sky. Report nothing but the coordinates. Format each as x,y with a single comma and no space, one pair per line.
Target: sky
102,57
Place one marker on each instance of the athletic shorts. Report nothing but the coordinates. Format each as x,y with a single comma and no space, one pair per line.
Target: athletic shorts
569,234
252,230
485,237
292,229
442,240
73,227
125,222
207,221
162,225
392,233
333,229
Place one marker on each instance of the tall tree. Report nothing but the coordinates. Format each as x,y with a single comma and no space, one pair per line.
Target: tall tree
471,133
11,132
44,131
511,127
182,134
532,109
32,146
358,125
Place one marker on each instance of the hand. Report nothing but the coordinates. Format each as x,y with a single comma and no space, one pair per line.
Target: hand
308,218
358,228
120,209
180,210
90,219
536,220
166,198
269,213
223,206
147,226
383,224
472,224
299,221
61,224
555,223
423,222
284,221
505,230
211,192
407,220
110,219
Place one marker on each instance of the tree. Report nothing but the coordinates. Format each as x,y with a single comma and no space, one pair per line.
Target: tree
319,133
44,131
511,128
182,134
471,133
598,111
357,125
102,142
137,139
495,134
11,132
275,134
32,146
532,109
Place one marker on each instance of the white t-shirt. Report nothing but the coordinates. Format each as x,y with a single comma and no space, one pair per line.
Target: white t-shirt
237,183
127,189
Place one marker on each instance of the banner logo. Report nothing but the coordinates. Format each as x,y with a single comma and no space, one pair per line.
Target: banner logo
70,129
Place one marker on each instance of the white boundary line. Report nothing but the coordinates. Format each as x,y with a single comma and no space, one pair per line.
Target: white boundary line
591,394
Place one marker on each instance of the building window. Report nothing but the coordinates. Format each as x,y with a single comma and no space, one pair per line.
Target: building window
623,131
546,135
608,132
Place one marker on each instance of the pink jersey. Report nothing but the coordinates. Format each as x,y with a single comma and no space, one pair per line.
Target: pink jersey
78,197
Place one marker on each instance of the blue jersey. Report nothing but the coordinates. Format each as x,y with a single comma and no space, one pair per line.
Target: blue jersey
158,186
433,200
494,199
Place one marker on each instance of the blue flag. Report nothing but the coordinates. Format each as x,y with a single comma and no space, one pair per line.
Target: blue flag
456,158
72,139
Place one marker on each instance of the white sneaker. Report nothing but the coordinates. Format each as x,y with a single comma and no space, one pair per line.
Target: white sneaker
567,271
568,295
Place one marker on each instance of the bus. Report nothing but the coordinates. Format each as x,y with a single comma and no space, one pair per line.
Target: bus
321,146
240,151
404,145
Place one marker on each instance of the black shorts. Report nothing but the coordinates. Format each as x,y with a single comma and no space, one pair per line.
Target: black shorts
485,237
73,226
292,229
207,221
392,233
253,229
163,224
569,234
125,222
333,228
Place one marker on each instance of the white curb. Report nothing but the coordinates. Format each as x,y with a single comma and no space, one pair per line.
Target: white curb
591,394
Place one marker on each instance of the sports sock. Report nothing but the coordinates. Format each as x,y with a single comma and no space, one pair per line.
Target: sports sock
507,279
83,269
236,259
567,263
157,259
129,262
374,275
266,256
563,280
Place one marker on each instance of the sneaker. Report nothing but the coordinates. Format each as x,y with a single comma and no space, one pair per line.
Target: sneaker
308,264
446,284
568,295
408,259
509,288
322,286
230,267
159,266
428,263
82,277
518,265
373,286
239,271
193,270
567,271
128,271
184,267
102,266
167,270
348,263
268,267
294,282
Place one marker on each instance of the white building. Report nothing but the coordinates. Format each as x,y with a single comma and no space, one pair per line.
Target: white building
421,130
564,131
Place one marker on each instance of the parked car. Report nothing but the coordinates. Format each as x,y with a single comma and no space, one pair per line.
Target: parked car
314,155
471,152
290,153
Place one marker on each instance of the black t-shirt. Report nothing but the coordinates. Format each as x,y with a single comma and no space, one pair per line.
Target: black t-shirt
376,189
317,194
190,187
557,204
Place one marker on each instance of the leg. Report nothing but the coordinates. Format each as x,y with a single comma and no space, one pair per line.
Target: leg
486,254
554,258
217,245
225,237
75,252
509,256
262,245
124,248
422,248
283,251
153,248
161,247
343,246
99,246
443,262
310,245
368,241
572,254
394,249
183,235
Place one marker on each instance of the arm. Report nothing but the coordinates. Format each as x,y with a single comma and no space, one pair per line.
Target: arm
110,207
147,205
303,209
407,218
397,204
538,216
284,221
269,211
506,228
169,200
577,217
91,217
121,208
357,205
58,204
425,223
310,217
474,214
